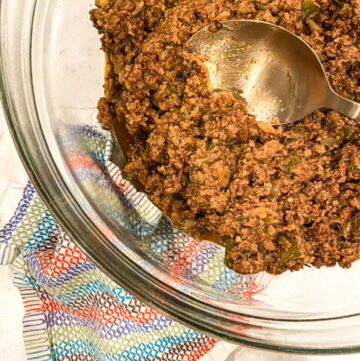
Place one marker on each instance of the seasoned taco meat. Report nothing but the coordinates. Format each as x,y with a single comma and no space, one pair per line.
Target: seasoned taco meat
278,198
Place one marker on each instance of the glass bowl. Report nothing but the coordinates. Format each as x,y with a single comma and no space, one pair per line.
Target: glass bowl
51,79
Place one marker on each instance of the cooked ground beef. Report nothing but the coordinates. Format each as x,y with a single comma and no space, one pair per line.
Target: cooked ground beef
277,198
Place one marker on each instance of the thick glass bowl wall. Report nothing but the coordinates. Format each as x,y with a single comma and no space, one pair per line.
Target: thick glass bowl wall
51,79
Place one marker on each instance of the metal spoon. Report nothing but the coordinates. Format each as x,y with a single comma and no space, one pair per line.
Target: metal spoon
273,70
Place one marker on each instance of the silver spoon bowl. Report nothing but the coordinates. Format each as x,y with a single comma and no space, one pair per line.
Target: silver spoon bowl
277,73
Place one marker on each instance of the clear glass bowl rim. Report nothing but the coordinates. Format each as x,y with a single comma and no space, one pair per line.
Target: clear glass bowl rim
25,126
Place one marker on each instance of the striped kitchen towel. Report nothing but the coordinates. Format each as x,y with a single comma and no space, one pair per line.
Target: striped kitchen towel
72,310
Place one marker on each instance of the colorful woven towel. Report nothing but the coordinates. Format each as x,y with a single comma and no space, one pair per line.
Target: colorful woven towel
72,310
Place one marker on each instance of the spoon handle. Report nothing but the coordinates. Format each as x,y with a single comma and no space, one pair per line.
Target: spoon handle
343,105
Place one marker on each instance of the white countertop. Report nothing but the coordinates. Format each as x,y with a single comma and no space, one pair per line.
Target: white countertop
11,308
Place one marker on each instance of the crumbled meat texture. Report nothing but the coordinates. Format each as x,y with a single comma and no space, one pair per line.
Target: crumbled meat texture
277,198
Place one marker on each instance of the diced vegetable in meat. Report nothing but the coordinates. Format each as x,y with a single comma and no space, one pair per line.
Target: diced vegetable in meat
277,197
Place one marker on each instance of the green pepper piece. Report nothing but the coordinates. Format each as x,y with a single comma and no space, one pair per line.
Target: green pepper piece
289,249
355,169
229,262
268,259
290,140
346,133
355,165
329,141
291,162
346,9
308,7
230,243
343,203
291,253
